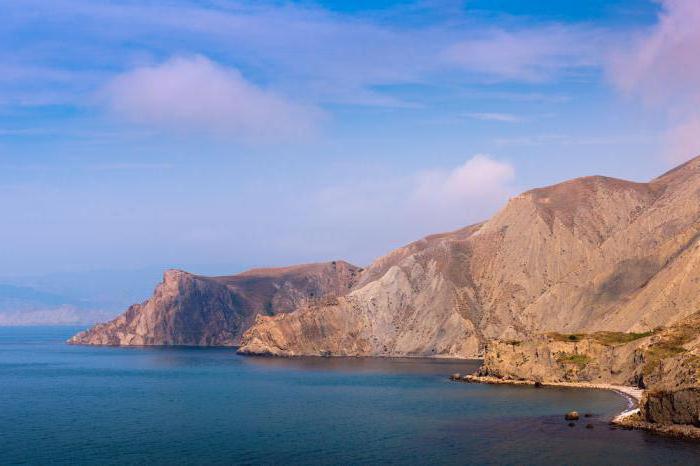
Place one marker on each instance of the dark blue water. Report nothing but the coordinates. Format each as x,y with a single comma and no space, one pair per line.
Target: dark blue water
64,404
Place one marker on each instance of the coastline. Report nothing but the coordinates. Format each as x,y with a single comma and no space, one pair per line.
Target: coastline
631,394
628,419
633,420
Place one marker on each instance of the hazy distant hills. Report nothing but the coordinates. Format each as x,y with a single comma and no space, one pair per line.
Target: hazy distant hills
71,298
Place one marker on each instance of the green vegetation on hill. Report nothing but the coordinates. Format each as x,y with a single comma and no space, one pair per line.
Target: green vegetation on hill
606,338
580,360
618,338
670,344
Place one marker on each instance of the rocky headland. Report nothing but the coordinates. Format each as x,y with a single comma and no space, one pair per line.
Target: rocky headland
594,280
194,310
589,255
664,365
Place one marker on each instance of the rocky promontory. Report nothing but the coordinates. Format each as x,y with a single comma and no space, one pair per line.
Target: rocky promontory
195,310
665,362
588,255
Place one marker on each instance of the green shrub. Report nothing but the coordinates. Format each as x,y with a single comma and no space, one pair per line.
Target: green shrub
580,360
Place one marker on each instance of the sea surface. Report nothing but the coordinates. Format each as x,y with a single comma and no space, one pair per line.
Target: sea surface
63,404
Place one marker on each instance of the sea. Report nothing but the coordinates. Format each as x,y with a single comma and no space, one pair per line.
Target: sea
75,405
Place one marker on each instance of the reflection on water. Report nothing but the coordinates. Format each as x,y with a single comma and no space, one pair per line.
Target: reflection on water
415,366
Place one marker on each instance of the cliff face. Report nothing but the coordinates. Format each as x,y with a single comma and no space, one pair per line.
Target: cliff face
665,360
675,406
604,357
188,309
588,255
591,254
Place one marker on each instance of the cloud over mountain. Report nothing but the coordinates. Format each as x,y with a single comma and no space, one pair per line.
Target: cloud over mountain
194,94
661,67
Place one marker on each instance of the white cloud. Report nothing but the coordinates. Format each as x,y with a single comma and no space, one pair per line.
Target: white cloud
372,210
389,210
533,55
467,193
194,94
500,117
317,54
662,68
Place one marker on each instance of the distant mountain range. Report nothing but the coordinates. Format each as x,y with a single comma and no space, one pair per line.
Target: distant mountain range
589,254
75,298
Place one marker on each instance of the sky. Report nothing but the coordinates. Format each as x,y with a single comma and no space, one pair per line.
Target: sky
216,135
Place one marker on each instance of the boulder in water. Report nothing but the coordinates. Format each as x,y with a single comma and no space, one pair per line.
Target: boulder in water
572,416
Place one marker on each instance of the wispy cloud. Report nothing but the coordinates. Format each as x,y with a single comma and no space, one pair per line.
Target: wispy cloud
661,67
196,94
562,140
422,202
499,117
468,192
133,166
533,54
321,56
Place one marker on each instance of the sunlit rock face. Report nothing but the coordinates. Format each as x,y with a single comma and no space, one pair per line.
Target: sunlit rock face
585,255
188,309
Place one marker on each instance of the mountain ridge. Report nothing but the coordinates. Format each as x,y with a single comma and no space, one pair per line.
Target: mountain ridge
584,254
588,254
196,310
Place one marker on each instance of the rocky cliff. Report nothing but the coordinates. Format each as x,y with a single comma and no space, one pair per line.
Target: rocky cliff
662,358
188,309
587,255
666,361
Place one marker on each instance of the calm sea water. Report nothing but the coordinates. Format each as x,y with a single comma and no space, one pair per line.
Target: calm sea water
64,404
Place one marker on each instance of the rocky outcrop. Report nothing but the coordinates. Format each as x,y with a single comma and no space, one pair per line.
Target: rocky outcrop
409,311
663,358
588,255
188,309
605,357
666,361
674,406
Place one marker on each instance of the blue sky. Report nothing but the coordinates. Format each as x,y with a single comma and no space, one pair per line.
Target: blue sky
219,135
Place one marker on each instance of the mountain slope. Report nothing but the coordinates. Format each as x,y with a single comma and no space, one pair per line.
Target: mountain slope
188,309
589,254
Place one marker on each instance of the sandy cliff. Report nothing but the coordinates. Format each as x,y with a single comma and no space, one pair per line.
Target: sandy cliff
591,254
665,361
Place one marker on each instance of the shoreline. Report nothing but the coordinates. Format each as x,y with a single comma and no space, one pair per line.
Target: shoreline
631,394
628,419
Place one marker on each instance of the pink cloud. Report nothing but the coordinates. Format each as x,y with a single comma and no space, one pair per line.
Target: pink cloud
194,94
535,54
387,208
473,189
662,68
